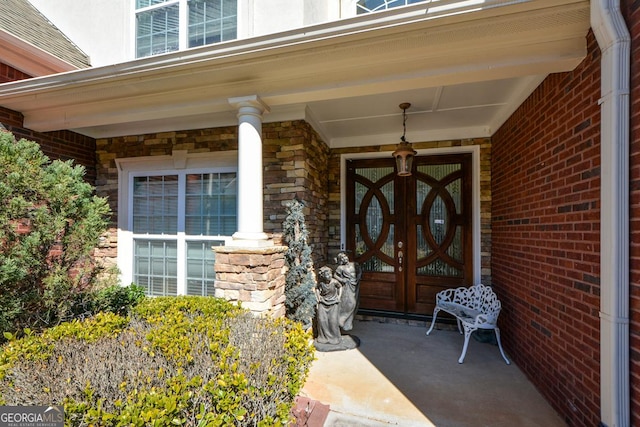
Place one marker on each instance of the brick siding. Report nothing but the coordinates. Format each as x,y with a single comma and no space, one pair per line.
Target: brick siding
62,145
631,11
10,74
546,238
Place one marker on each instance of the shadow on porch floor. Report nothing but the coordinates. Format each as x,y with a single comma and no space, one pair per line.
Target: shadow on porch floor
399,376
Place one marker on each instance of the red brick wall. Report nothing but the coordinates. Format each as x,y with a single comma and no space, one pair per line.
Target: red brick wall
10,74
63,145
546,238
631,11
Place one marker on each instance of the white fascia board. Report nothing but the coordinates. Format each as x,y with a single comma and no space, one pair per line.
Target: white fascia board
28,58
321,62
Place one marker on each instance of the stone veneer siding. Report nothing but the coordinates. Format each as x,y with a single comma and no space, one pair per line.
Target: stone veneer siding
253,276
546,238
485,192
294,160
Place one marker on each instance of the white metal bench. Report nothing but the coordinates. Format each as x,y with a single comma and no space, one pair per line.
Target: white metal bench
475,307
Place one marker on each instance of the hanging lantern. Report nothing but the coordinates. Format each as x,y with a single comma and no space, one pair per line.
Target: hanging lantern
404,153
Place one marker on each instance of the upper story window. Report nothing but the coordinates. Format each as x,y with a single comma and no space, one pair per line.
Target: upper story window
170,25
367,6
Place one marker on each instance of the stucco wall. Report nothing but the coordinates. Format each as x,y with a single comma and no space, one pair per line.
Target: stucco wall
546,238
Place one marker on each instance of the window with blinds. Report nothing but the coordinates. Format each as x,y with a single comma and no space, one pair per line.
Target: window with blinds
169,25
176,220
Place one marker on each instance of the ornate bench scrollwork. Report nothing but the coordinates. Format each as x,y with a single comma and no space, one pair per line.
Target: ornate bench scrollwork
475,307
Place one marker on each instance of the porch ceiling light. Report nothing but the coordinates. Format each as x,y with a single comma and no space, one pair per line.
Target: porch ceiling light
404,153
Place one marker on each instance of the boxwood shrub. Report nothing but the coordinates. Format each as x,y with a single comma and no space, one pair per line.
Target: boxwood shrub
189,361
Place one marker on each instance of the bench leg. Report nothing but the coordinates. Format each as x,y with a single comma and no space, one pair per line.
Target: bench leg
497,330
467,335
433,320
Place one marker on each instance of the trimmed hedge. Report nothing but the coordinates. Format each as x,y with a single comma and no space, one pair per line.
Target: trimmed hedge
190,361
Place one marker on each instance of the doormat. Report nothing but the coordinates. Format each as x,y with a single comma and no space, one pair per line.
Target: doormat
308,413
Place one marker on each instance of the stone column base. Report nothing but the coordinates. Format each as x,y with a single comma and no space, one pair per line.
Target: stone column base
254,277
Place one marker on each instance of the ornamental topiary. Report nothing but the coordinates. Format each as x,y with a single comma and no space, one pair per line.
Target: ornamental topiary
50,222
300,281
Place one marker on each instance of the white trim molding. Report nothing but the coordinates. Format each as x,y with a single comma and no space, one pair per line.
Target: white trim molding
614,41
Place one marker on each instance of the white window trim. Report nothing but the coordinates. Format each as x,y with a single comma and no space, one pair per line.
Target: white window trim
180,162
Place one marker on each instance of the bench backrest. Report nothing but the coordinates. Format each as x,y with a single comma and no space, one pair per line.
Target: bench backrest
478,297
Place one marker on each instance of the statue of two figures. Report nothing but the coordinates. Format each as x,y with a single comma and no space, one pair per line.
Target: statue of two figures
337,293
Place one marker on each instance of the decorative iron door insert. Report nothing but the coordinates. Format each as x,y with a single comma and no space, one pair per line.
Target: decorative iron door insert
411,235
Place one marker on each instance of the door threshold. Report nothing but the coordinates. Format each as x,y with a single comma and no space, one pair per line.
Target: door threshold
382,316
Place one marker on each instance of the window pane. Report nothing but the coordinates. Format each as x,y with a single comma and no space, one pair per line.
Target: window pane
146,3
367,6
211,204
157,31
212,21
155,266
200,267
155,204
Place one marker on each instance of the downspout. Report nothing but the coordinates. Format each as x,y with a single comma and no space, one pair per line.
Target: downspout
613,38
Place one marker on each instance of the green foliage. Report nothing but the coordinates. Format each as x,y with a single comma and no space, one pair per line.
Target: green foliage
190,361
300,282
117,299
49,223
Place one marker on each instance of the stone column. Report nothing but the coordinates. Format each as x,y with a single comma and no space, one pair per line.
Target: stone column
254,277
250,231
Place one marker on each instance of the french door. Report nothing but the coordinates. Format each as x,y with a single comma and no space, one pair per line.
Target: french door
411,235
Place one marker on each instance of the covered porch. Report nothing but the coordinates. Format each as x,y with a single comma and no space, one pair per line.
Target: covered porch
399,376
516,84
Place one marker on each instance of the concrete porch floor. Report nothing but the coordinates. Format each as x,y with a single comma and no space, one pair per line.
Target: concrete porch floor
399,376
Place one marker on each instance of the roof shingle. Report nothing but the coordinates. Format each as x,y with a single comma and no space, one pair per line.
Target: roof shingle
21,19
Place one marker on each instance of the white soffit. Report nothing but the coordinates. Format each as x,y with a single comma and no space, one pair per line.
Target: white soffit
464,73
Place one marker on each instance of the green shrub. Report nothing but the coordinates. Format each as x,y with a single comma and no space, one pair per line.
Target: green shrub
50,222
191,361
117,299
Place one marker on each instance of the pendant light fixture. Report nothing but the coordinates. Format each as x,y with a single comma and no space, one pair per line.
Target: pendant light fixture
404,153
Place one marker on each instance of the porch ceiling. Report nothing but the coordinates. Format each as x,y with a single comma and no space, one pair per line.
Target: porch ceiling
464,72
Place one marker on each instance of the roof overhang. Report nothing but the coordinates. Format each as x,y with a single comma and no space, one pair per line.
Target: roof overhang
28,58
331,75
